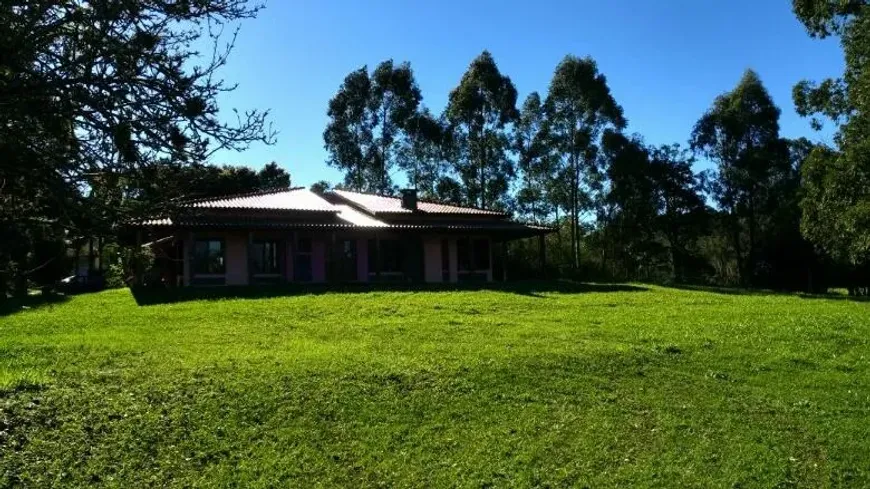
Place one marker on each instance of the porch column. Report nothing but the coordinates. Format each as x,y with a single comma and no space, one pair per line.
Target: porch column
542,249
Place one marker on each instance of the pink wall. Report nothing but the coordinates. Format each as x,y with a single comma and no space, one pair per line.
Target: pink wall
432,259
237,259
318,259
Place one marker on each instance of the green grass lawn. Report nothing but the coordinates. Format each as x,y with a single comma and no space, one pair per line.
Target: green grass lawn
537,386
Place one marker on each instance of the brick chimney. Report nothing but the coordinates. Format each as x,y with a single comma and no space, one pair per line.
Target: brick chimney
409,199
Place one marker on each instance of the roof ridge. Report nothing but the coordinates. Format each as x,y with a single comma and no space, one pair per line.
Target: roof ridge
424,201
253,193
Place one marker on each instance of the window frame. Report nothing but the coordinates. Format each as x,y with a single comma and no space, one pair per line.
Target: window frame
196,260
275,245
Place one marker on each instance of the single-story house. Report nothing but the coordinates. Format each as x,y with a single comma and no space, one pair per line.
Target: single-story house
297,236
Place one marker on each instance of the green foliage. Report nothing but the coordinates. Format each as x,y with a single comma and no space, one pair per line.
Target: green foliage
579,107
538,385
740,132
479,112
536,160
836,203
93,94
370,117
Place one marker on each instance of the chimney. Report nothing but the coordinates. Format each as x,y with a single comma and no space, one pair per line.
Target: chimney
409,199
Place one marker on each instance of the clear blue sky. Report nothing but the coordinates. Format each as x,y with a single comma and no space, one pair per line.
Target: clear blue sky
665,61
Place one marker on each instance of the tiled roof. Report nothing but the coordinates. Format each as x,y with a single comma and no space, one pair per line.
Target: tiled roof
357,218
293,199
244,223
380,204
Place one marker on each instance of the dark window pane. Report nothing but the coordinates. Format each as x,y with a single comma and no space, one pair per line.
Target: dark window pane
208,257
303,245
302,268
392,256
463,254
481,254
264,257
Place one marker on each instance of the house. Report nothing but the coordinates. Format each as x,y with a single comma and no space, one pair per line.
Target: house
296,235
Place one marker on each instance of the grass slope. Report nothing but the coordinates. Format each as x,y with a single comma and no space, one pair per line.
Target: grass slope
651,387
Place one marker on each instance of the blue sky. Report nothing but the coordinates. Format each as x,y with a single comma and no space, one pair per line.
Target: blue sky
665,61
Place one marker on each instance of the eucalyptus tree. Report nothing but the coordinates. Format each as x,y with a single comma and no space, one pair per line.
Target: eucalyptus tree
369,120
740,133
535,160
422,155
579,106
479,112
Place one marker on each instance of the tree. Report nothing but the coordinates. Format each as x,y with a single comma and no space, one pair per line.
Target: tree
321,187
369,118
740,132
273,176
836,202
579,107
422,154
627,217
535,159
479,111
682,213
97,88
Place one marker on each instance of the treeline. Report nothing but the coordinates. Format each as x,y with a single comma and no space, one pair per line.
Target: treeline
771,212
626,210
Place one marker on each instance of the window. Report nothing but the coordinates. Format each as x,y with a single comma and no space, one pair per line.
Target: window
392,256
481,254
343,265
463,254
302,271
472,255
264,258
208,257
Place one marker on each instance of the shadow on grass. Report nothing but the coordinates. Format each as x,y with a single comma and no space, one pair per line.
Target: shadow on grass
14,305
145,297
768,292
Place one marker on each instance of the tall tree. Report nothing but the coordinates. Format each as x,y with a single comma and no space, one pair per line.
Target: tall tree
627,220
369,119
682,213
534,159
92,88
740,132
836,203
579,107
422,154
479,111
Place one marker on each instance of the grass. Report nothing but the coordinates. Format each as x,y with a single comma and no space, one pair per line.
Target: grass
533,386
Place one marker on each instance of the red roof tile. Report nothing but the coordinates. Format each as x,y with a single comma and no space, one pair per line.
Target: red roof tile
293,199
381,204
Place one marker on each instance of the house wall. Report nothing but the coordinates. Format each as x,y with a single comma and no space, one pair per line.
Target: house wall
236,259
432,259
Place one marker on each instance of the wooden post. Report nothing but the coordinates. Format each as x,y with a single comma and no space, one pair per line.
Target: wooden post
542,249
504,261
